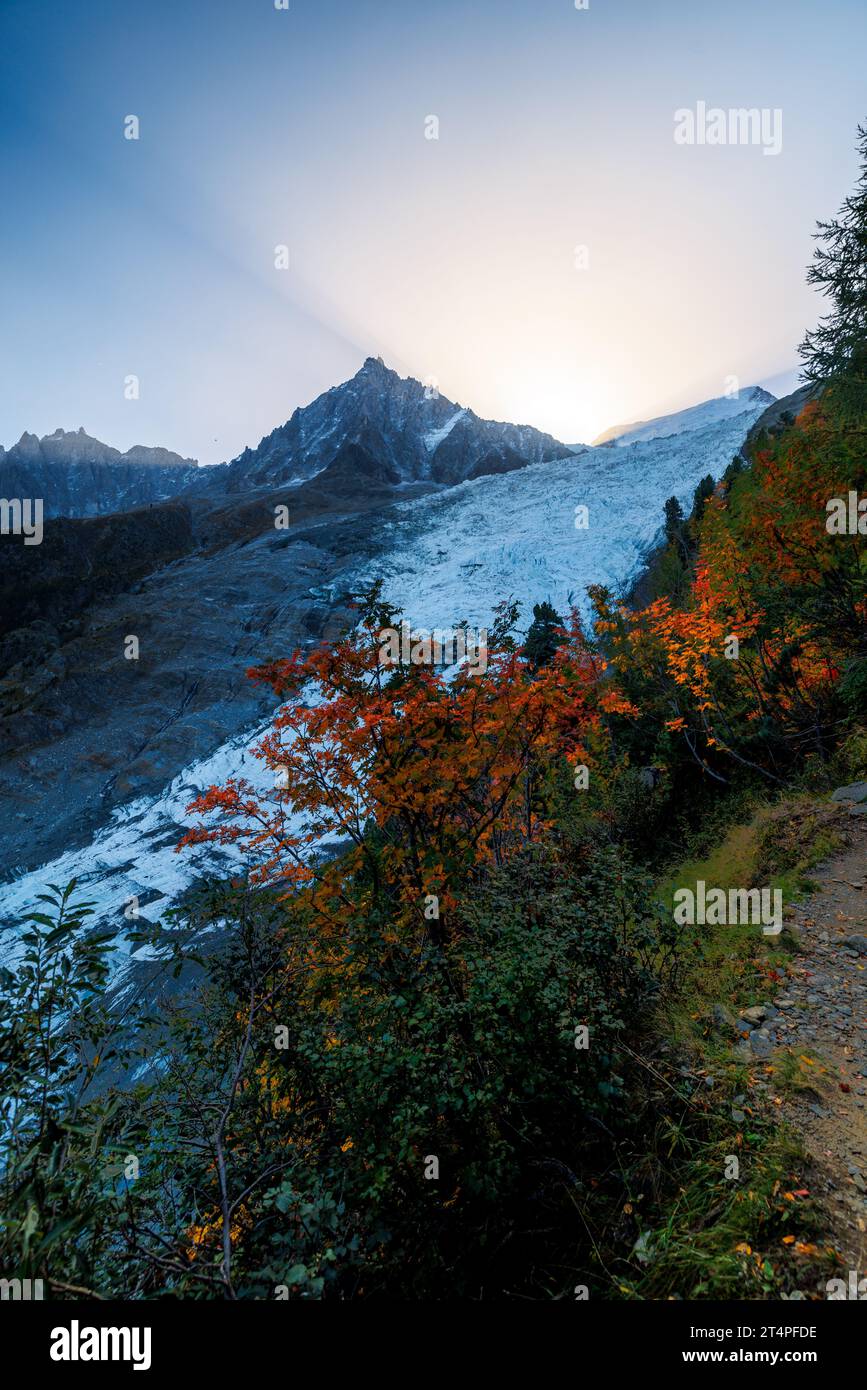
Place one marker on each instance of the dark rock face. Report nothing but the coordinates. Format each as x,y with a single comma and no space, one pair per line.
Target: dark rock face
47,597
777,413
85,559
78,476
92,730
207,582
207,593
410,429
353,467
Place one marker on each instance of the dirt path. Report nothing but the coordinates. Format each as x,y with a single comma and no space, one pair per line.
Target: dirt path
823,1018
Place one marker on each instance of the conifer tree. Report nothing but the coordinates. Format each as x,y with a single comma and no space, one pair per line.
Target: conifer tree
544,636
835,353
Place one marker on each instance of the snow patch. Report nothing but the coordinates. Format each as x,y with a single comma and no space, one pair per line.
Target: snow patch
697,417
434,438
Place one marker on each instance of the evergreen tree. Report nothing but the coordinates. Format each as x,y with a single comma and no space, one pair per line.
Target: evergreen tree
673,520
735,468
675,530
702,493
835,353
544,636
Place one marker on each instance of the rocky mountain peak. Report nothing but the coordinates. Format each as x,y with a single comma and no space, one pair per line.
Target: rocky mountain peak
77,446
77,475
375,366
27,446
416,434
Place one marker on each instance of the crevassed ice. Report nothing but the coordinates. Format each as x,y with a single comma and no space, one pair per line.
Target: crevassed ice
453,557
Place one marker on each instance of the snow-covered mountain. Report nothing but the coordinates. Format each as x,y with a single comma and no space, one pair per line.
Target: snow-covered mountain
77,475
696,417
406,425
448,556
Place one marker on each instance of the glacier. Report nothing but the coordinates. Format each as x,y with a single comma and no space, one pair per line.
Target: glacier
450,557
453,557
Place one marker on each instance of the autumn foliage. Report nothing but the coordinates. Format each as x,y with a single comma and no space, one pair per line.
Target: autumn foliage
759,666
421,776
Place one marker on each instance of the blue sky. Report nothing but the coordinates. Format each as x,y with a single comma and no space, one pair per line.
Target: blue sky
453,258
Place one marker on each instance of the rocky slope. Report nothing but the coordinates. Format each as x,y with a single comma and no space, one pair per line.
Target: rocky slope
775,417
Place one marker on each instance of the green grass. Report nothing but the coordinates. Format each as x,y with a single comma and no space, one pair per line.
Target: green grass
724,1238
708,1235
737,966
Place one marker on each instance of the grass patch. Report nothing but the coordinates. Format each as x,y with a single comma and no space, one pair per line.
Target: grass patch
793,1076
736,966
724,1238
735,1218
